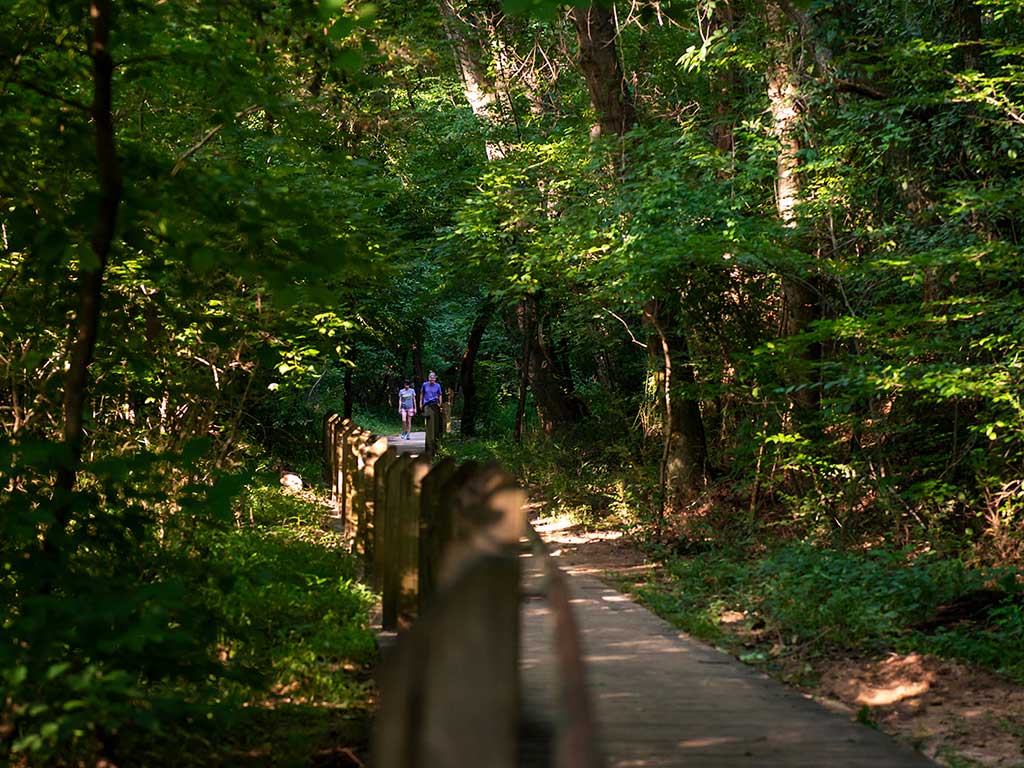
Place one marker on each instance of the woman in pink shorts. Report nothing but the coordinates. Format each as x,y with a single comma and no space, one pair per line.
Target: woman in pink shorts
406,408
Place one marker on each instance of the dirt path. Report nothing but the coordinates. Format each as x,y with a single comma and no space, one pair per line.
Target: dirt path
958,715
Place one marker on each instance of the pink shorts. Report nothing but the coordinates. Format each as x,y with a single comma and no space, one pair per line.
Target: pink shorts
403,412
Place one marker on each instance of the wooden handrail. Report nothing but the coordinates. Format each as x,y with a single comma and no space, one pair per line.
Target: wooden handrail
442,543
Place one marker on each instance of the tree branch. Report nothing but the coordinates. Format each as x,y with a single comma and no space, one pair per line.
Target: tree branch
863,89
206,139
624,325
82,106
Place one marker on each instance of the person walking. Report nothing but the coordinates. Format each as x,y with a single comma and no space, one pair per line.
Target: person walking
406,408
430,392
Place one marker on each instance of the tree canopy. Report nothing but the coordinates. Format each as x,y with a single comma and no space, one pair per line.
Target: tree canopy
752,265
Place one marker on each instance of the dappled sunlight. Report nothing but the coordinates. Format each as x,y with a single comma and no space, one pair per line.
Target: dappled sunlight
707,741
895,679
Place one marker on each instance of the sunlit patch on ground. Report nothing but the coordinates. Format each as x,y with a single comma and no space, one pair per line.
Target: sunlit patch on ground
947,710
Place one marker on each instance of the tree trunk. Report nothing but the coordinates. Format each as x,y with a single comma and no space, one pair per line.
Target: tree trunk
474,61
799,286
684,450
90,275
599,63
722,16
968,22
467,381
557,404
417,365
523,318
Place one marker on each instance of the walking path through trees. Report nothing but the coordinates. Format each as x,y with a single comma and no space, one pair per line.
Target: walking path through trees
955,713
414,446
593,669
660,698
663,699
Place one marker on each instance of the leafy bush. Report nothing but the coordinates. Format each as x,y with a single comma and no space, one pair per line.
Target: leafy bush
181,633
862,601
855,599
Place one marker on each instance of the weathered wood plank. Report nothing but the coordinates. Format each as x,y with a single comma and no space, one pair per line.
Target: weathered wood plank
409,544
380,493
328,442
432,419
433,530
450,694
484,506
397,479
354,442
370,452
341,430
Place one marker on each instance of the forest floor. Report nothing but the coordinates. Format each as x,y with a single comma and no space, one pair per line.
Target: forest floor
957,714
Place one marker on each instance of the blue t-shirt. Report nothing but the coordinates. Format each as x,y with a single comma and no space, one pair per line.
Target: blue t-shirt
431,392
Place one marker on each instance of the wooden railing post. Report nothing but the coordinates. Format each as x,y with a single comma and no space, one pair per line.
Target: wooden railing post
433,419
396,480
341,431
365,491
335,478
328,445
409,543
380,494
353,440
434,532
486,506
450,693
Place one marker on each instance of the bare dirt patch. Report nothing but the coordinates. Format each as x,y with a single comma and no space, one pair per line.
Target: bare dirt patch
950,711
958,715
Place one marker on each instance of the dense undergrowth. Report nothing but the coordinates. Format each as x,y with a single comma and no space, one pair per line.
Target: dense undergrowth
221,644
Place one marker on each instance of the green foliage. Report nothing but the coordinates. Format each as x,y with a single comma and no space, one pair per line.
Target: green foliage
856,599
307,198
806,597
134,648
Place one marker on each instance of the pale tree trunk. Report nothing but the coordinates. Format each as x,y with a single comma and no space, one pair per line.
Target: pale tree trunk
684,460
472,52
90,277
800,287
599,63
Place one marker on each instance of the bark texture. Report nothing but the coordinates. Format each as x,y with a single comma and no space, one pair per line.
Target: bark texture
684,461
800,287
90,275
467,380
472,52
967,14
599,63
551,382
553,392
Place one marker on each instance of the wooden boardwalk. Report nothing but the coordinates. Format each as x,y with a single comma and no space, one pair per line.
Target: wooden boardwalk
415,445
662,699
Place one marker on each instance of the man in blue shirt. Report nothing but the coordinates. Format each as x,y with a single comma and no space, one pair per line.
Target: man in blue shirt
430,392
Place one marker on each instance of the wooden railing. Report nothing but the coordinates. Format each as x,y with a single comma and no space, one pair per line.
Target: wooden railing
442,542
